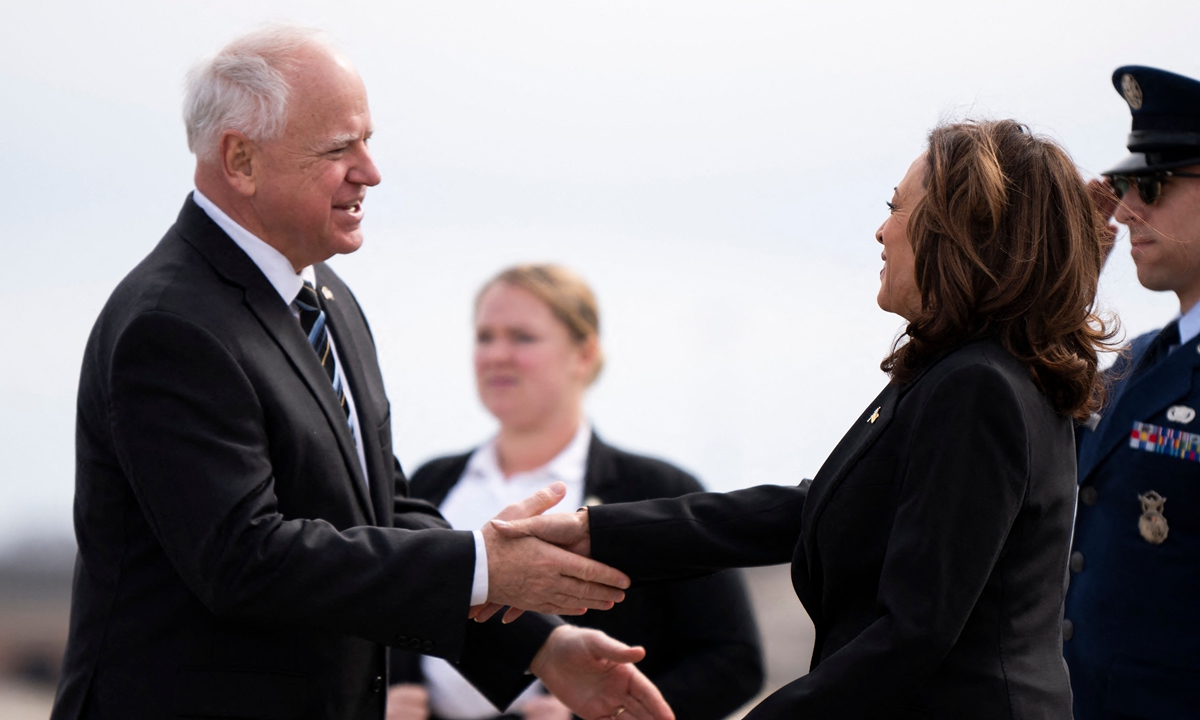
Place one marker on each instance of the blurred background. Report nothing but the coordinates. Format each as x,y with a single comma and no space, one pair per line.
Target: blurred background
716,170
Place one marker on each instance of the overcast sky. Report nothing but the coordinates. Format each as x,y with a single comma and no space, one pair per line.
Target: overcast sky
716,170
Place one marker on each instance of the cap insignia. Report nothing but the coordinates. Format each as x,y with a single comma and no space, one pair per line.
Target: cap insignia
1131,91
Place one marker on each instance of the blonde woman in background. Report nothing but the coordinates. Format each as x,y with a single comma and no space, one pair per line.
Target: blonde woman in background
537,351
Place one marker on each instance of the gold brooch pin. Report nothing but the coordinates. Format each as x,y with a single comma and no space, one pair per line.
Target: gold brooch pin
874,415
1152,524
325,291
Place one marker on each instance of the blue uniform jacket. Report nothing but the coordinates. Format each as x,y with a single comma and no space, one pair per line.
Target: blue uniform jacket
1132,617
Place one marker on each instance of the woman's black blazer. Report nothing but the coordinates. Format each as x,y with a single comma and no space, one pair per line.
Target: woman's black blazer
930,550
702,644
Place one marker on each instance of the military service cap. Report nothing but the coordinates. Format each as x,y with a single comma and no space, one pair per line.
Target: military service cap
1166,120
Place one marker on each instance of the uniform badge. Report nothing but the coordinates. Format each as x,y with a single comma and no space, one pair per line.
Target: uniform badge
1165,441
1152,524
1181,414
1131,91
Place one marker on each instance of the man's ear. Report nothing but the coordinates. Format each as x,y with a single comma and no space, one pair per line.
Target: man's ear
238,159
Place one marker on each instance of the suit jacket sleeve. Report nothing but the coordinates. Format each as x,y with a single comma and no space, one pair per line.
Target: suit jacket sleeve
698,534
188,430
966,479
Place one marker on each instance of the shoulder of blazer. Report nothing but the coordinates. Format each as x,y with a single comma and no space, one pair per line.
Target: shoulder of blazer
614,475
198,230
433,481
984,355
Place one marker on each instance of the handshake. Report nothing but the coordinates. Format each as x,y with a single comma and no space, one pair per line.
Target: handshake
542,563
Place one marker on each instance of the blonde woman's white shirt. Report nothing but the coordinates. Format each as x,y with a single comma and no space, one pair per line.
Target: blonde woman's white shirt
480,493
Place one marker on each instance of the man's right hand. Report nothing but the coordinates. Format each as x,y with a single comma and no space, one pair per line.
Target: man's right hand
528,573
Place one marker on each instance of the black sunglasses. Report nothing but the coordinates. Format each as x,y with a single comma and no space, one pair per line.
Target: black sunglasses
1148,186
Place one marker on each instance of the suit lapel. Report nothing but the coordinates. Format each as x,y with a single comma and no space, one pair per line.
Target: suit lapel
599,479
352,369
277,320
1138,398
869,426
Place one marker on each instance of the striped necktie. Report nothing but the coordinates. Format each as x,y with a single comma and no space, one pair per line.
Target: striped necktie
312,320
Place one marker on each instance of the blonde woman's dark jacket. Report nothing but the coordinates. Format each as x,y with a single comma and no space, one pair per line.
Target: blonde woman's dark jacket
702,644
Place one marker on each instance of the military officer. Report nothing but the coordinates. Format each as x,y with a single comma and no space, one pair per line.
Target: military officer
1131,629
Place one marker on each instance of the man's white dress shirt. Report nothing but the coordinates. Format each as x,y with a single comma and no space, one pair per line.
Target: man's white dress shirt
482,492
287,282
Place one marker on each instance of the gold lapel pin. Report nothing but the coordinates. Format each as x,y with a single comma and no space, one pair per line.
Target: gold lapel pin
325,291
874,415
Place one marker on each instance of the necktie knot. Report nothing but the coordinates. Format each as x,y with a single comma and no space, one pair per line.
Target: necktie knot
1160,346
1170,334
312,320
309,304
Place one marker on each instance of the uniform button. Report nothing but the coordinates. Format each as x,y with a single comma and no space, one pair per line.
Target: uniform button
1087,495
1076,562
377,684
1068,629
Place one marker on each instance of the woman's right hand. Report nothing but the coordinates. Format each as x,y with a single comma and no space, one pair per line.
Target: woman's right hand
407,701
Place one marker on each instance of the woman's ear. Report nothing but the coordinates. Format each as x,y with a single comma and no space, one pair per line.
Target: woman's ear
589,358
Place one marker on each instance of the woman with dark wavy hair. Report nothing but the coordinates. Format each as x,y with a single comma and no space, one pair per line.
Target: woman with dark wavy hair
931,548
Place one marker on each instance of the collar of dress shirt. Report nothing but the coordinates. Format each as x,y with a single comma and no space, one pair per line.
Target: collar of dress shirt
569,466
271,262
1189,324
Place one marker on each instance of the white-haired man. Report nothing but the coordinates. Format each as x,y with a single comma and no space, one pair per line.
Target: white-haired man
246,548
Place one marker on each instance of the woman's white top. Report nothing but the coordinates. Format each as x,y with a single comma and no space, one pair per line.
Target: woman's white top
481,492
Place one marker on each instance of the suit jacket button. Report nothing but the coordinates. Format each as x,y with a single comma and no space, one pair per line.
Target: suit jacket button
415,644
1076,562
377,684
427,645
1087,495
401,640
1068,629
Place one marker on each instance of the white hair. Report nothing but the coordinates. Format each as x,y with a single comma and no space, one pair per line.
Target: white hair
244,87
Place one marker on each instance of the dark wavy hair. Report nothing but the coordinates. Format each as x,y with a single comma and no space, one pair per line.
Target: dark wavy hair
1007,244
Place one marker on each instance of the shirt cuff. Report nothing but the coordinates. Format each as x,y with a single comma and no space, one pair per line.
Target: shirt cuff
479,587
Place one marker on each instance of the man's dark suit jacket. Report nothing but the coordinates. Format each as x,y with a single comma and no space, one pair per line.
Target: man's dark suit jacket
702,645
930,550
1133,608
232,560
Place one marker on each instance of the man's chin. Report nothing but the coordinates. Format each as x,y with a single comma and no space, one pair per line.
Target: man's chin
347,242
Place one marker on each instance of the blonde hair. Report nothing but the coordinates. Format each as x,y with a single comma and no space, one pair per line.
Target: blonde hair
565,293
